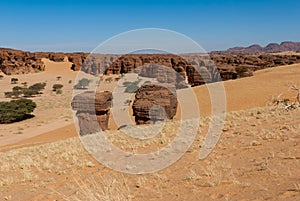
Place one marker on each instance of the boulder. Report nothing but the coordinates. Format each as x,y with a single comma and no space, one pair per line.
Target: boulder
154,103
93,111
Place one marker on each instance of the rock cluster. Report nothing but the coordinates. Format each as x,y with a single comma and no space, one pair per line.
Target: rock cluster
197,68
253,61
19,62
154,103
93,111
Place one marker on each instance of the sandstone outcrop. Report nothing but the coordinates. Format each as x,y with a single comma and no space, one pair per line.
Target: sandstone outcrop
19,62
154,103
197,69
93,111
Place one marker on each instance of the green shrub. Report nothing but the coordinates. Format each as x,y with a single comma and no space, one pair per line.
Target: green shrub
38,87
126,84
16,110
241,69
57,87
82,84
58,91
17,88
132,88
29,92
14,80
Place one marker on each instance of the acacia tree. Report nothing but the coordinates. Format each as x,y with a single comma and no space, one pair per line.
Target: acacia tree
16,110
82,84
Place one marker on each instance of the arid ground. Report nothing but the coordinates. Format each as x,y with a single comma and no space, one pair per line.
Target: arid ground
256,158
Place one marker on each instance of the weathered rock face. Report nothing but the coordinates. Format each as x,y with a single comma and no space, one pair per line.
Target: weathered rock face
19,62
198,75
220,65
154,103
93,110
77,59
253,61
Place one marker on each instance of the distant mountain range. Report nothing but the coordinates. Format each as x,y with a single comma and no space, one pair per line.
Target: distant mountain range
270,48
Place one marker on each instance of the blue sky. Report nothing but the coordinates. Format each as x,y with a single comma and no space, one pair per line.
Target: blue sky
60,25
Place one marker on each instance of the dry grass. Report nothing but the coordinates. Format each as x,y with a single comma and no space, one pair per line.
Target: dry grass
258,148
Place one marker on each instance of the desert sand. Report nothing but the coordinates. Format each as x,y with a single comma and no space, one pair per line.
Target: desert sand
257,157
54,114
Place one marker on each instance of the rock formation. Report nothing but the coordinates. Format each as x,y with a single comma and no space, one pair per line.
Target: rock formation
154,103
219,65
19,62
93,111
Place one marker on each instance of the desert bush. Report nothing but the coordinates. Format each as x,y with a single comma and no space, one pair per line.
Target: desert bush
16,110
17,88
38,87
241,69
14,80
58,91
24,84
56,87
15,93
132,87
125,84
29,92
70,82
1,77
82,84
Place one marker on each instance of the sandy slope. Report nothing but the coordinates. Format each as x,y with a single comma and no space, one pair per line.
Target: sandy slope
52,112
240,94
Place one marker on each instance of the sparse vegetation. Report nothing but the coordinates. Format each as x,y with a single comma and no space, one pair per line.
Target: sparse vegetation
38,87
24,84
14,80
57,87
16,110
285,103
82,84
1,77
240,70
131,87
33,90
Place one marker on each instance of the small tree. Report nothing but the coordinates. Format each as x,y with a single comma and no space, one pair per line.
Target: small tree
57,87
240,70
58,78
38,87
82,84
24,84
29,92
16,110
58,91
14,80
1,77
17,88
132,87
